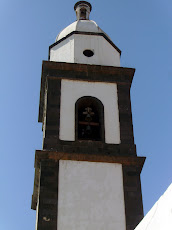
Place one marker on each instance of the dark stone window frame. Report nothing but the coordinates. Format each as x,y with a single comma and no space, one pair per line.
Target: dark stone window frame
100,108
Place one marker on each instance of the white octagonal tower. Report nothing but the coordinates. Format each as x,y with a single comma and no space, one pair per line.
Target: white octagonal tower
84,42
87,176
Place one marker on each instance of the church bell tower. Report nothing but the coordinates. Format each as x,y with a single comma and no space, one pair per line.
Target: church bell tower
87,176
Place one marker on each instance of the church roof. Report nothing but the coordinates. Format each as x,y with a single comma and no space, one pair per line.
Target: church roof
160,215
81,26
87,27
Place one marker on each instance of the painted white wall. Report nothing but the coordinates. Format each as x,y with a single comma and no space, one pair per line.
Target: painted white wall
160,216
104,52
90,196
71,50
72,90
37,211
80,25
64,51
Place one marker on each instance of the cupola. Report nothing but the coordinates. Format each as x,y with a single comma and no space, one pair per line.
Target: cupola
82,9
84,42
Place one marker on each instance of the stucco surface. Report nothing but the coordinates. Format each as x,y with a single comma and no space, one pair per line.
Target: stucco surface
80,25
90,196
72,90
160,215
71,50
104,52
64,51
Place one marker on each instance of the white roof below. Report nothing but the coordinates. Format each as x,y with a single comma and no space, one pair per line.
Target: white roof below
160,215
81,26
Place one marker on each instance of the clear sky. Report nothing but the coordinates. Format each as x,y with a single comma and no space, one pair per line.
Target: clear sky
142,30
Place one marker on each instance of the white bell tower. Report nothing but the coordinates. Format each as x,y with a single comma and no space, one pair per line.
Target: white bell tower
88,174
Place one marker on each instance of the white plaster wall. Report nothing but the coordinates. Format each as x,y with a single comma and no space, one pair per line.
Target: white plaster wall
90,196
104,52
160,216
64,51
71,50
71,91
37,211
80,25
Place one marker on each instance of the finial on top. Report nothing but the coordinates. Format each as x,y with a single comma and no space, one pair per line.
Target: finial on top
83,10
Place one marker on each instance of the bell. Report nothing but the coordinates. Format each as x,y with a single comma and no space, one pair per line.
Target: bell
88,117
88,129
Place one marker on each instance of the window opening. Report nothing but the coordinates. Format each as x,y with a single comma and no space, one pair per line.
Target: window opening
83,13
89,119
88,53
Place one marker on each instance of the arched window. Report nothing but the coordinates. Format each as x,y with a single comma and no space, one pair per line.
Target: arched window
89,119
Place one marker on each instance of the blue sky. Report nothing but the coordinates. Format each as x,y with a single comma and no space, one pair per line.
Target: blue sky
142,30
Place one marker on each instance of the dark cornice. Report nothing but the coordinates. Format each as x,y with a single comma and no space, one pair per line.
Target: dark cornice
84,33
82,72
56,156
